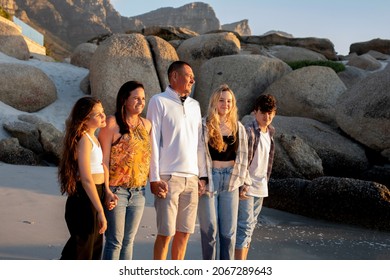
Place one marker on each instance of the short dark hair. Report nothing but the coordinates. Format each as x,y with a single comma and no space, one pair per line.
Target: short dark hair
265,103
176,65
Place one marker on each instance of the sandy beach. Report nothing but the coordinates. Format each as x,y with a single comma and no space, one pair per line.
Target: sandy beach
33,227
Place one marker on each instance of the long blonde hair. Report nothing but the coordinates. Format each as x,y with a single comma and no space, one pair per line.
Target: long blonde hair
213,120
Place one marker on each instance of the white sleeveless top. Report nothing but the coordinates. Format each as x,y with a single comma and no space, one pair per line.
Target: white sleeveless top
96,158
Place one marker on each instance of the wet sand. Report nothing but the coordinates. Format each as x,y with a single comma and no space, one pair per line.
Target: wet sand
33,227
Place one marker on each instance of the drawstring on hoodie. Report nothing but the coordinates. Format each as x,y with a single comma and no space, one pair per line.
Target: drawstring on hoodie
183,98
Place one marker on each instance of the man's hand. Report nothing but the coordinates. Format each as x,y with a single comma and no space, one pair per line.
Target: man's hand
159,188
201,187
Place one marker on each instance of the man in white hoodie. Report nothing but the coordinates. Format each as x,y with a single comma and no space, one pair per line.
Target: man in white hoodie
178,161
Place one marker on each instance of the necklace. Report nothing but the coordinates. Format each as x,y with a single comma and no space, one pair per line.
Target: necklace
134,124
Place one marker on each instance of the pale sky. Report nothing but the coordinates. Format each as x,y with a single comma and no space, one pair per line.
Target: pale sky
343,22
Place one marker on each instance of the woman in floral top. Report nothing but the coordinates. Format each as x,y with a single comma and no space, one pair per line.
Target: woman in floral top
126,151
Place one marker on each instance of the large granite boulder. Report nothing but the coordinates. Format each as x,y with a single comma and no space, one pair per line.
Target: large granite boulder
247,75
164,54
340,156
25,87
363,112
197,50
351,75
310,92
122,58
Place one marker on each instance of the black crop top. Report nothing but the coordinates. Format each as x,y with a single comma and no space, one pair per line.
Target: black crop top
229,154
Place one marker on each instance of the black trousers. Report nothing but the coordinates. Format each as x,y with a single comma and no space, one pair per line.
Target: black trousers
85,242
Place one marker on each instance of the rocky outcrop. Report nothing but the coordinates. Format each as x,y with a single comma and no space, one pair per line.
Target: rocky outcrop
249,77
363,112
64,18
323,46
8,6
199,17
379,45
13,153
169,33
290,54
36,136
241,27
25,87
119,59
310,92
343,200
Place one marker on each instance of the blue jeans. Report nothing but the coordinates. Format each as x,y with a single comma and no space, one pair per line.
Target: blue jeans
248,211
217,214
123,222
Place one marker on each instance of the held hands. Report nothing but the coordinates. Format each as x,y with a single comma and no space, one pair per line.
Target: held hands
159,188
201,187
111,200
243,190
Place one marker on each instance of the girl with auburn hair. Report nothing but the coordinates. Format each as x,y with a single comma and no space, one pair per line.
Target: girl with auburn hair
226,148
82,177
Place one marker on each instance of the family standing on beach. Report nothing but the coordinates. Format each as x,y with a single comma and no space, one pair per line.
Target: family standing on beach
210,168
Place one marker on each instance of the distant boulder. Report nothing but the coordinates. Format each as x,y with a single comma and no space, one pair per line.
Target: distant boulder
169,33
25,87
82,55
323,46
379,45
290,54
365,62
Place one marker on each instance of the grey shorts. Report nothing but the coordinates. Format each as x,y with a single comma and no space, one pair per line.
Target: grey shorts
177,212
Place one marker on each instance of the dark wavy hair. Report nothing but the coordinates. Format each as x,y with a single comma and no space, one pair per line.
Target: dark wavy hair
68,169
265,103
123,94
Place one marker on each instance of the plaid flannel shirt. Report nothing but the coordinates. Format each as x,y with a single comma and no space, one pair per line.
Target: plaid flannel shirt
253,132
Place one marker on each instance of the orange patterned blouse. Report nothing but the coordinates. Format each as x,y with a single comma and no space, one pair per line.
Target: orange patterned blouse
130,158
